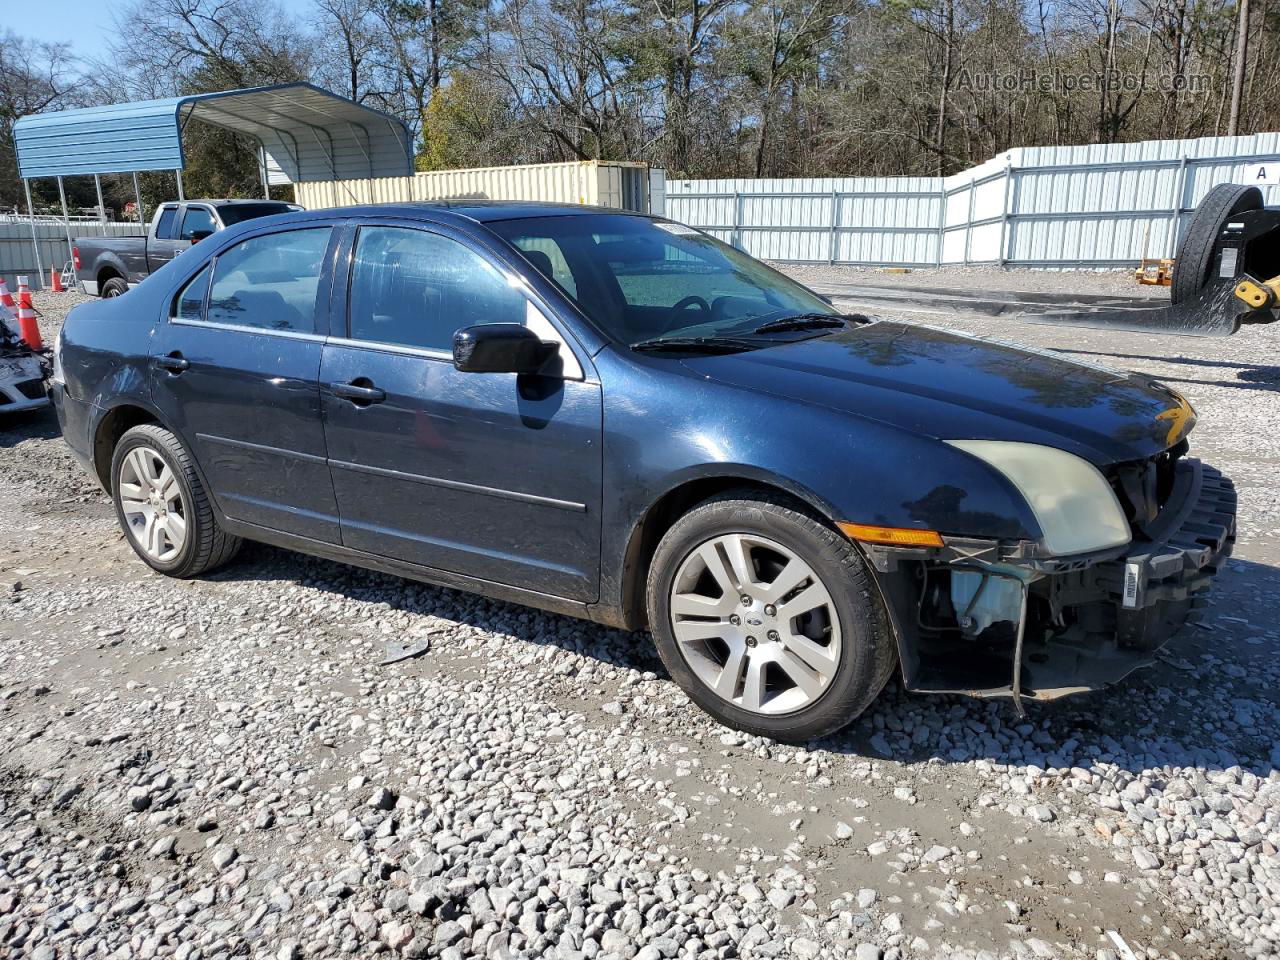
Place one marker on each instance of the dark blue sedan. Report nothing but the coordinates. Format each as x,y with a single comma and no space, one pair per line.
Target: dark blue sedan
621,418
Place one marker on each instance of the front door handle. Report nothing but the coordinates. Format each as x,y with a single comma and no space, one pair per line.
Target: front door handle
174,362
361,392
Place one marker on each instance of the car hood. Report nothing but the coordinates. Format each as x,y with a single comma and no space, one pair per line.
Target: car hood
951,386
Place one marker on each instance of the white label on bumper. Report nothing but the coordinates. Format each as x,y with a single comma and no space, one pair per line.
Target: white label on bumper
1132,570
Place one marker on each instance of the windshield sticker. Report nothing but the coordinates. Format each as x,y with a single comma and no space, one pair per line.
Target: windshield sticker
679,229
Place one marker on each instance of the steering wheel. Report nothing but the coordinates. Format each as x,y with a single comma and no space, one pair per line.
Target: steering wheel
685,304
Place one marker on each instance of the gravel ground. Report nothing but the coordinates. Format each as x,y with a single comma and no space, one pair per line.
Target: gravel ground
221,768
985,278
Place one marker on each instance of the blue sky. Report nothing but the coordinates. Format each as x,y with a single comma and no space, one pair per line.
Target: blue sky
83,24
86,25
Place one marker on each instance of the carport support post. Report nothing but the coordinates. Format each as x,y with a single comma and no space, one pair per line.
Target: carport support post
66,222
137,192
178,175
262,169
102,207
35,241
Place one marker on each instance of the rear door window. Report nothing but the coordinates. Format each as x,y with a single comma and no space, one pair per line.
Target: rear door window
270,282
416,289
164,229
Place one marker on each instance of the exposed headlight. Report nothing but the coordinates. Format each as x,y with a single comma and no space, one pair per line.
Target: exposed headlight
1073,503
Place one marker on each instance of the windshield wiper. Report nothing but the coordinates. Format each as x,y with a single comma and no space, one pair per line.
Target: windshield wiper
801,321
695,344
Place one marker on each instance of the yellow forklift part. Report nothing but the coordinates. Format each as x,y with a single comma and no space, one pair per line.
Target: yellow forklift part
1154,273
1259,294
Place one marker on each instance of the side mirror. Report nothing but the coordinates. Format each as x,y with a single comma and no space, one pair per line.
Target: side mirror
198,235
500,348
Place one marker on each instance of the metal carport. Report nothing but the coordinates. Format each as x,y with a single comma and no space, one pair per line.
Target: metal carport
305,131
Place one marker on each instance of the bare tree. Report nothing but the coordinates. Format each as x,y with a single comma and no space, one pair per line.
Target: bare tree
1239,67
34,77
352,48
706,87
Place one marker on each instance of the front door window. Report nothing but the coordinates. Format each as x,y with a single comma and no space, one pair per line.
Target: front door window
416,289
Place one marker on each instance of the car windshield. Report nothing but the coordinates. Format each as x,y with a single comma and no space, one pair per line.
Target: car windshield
232,213
643,280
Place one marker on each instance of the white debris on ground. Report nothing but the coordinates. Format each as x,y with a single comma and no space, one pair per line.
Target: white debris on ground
222,768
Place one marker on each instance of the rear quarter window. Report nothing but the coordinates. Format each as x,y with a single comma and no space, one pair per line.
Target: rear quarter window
189,303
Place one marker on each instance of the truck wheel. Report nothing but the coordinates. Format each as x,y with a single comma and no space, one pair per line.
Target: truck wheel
162,506
768,618
1195,254
114,287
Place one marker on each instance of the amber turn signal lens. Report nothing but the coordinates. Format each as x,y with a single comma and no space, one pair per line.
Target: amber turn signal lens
893,536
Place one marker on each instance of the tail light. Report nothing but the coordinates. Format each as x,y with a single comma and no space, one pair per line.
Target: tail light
75,258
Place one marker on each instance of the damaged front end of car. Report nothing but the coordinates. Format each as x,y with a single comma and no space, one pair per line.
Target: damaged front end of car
22,372
1020,620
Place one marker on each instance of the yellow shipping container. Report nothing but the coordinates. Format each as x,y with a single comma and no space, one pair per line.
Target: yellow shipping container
593,182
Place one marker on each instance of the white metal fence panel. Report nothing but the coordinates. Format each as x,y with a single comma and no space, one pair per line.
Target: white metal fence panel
1102,205
841,219
17,250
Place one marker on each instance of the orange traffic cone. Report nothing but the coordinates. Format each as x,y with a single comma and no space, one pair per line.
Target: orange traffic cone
55,280
27,324
6,298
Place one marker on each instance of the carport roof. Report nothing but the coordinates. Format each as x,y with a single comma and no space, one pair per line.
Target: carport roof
311,134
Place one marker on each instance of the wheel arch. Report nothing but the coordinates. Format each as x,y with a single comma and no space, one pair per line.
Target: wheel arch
110,271
112,425
678,498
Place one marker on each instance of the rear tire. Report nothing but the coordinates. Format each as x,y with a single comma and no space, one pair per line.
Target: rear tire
162,506
1196,252
115,287
792,674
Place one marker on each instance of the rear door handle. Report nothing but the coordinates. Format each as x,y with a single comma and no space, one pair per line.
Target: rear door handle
359,393
174,362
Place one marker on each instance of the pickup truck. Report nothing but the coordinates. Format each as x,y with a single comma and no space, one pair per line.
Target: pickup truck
109,266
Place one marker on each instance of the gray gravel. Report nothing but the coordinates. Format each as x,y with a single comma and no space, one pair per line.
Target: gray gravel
221,768
1118,283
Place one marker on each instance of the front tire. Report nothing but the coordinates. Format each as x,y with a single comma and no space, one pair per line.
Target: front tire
768,618
162,506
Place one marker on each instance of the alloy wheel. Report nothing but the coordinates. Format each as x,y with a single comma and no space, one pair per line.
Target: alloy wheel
755,623
151,500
